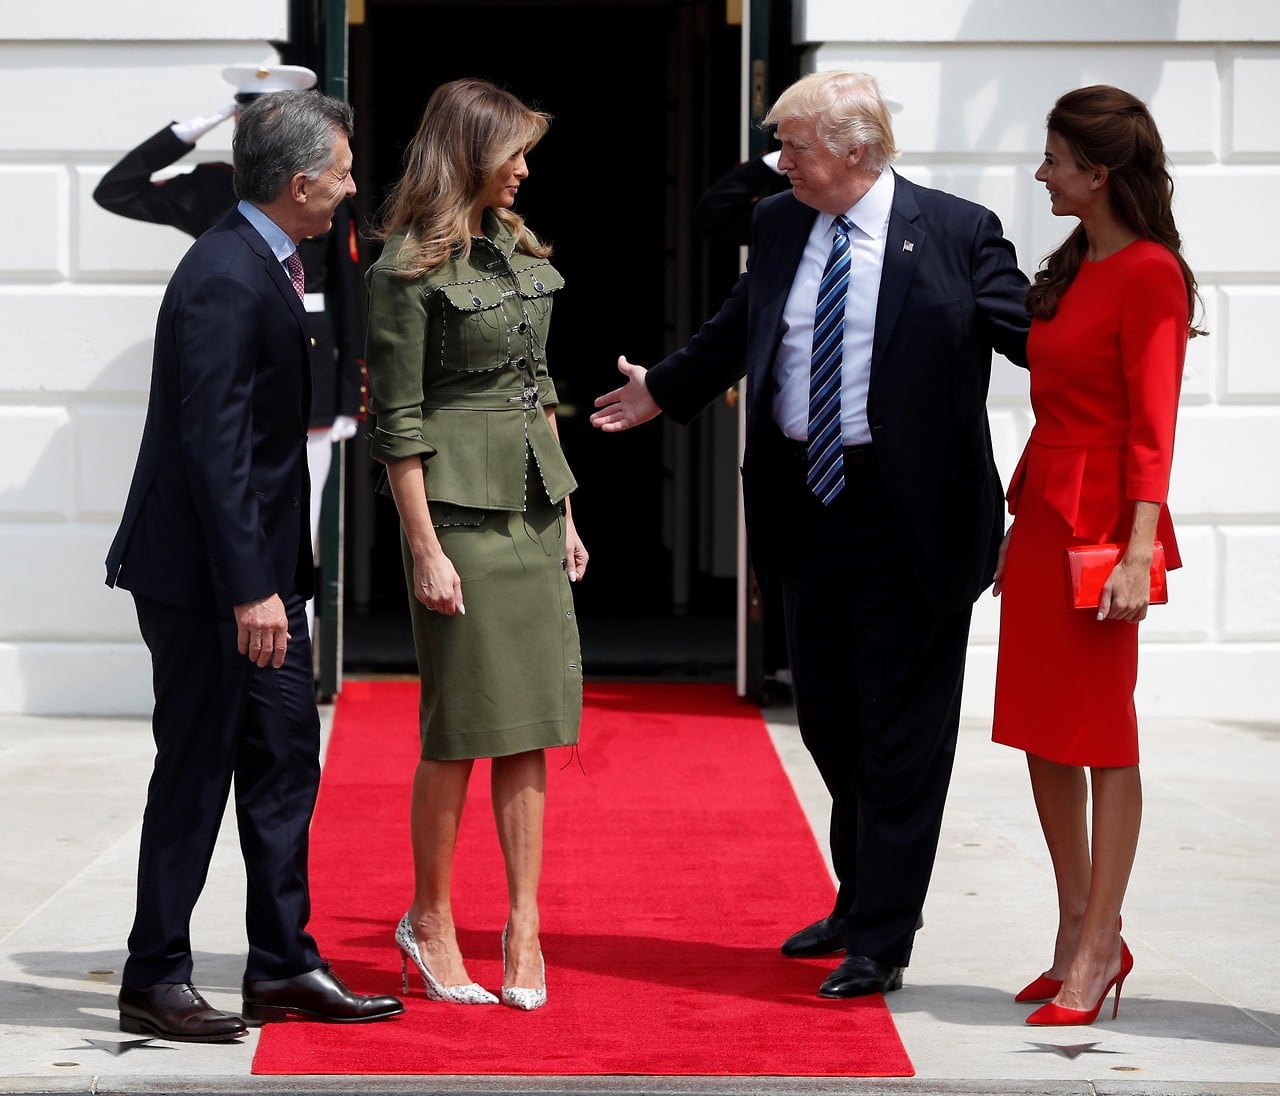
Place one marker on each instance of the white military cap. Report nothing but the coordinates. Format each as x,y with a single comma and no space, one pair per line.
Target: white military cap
250,81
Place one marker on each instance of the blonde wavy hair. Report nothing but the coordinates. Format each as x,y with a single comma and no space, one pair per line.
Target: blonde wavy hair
470,128
847,109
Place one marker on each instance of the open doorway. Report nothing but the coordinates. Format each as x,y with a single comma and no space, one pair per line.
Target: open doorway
645,102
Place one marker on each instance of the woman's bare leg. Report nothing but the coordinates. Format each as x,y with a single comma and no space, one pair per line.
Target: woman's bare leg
1061,798
1117,818
439,793
519,786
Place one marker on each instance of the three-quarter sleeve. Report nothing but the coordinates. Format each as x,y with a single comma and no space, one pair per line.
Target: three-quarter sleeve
394,356
1153,347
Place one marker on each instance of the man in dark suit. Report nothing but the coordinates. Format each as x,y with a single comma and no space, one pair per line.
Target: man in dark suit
215,547
881,559
196,200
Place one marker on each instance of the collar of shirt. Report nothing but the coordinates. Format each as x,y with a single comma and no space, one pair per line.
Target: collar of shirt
870,217
870,213
276,237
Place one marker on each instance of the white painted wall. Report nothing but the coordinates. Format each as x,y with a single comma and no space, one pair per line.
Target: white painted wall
976,80
79,290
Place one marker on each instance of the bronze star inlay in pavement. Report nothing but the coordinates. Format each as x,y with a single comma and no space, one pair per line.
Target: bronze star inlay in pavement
118,1047
1068,1050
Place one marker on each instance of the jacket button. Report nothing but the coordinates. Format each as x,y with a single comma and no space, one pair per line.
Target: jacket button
314,344
293,502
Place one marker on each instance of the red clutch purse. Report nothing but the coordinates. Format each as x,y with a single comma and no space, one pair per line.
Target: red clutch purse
1088,566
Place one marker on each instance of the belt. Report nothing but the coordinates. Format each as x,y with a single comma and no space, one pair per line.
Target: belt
499,399
855,456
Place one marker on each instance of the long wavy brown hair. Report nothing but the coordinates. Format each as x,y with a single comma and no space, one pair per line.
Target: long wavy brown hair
1107,127
469,129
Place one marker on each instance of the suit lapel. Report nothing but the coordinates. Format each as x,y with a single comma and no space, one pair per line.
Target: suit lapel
903,248
274,268
279,277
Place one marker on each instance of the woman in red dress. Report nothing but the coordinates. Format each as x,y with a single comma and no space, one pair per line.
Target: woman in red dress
1111,314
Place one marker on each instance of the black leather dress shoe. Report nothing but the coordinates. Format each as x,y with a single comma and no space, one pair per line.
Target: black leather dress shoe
825,937
860,976
175,1010
317,995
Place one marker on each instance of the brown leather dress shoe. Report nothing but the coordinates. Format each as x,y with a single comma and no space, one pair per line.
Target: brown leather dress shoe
860,976
317,995
175,1010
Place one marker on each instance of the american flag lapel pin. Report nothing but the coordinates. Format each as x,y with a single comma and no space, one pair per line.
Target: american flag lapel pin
907,245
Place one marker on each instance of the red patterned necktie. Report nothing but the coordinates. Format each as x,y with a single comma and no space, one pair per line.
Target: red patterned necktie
293,265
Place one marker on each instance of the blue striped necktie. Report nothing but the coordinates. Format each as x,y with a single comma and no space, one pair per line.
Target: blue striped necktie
826,455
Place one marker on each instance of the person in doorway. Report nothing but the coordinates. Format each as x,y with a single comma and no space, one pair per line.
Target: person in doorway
723,211
215,548
465,424
196,200
1111,314
876,502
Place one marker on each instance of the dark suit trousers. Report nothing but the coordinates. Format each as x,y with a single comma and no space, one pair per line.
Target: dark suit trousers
876,674
220,722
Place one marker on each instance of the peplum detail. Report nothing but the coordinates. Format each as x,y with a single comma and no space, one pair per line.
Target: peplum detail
1105,379
1085,487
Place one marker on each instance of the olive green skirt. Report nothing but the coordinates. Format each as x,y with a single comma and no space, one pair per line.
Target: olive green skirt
507,676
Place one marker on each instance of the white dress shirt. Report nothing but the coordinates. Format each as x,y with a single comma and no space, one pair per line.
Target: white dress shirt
870,217
277,239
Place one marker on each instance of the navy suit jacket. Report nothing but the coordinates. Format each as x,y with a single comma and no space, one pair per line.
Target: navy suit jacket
950,293
217,513
198,199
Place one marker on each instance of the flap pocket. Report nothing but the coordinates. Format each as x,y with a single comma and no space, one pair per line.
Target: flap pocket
539,281
445,515
473,296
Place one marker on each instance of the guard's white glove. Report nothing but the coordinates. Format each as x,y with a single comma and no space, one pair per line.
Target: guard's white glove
771,159
344,427
193,129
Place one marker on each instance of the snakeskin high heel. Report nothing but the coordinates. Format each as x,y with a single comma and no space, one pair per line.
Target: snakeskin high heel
519,996
470,994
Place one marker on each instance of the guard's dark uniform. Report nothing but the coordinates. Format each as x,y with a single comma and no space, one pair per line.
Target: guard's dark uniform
197,200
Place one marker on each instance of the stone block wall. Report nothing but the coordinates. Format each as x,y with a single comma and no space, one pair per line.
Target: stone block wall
79,289
976,80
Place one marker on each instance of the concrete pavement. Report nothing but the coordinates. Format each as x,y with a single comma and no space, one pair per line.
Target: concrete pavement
1200,1013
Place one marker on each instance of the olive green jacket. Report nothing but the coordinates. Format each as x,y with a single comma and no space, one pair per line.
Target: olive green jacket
458,372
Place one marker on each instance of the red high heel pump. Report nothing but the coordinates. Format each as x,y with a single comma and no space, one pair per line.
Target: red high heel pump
1052,1015
1045,988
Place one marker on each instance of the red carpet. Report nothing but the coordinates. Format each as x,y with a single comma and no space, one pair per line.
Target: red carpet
677,859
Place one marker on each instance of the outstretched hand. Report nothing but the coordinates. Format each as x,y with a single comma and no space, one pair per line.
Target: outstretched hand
627,406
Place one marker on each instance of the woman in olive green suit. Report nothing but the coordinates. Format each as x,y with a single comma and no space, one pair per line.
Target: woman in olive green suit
459,305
